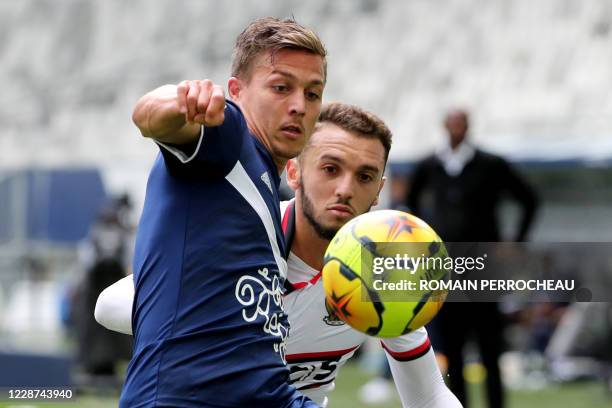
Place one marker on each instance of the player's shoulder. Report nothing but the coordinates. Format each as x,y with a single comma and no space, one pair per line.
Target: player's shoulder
233,113
233,106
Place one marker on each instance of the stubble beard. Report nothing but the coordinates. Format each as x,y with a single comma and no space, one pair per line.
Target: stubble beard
326,233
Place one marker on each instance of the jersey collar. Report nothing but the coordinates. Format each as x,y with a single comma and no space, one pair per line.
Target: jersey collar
288,226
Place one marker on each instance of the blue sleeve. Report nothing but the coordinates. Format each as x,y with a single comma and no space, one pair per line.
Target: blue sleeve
215,152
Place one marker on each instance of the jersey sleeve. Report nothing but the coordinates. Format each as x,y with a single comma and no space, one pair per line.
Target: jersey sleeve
409,346
215,152
420,384
416,373
114,306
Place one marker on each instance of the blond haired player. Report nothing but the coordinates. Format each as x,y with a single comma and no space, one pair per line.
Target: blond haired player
211,191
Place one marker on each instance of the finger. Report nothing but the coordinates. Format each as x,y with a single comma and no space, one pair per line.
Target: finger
181,96
192,99
206,87
215,114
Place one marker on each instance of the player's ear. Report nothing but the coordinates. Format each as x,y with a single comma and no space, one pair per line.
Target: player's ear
293,174
234,86
382,184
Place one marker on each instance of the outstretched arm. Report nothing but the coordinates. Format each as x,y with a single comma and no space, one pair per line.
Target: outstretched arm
114,306
416,373
197,130
175,113
420,384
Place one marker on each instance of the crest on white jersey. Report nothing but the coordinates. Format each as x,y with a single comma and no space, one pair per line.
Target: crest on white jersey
332,319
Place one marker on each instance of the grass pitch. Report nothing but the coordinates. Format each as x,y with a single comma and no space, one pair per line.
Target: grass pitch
579,395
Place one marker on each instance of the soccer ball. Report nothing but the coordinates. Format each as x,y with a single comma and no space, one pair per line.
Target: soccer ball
378,273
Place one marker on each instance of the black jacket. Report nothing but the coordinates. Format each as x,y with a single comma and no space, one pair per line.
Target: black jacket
464,208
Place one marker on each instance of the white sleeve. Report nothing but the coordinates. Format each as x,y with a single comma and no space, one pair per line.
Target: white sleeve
114,306
181,155
416,373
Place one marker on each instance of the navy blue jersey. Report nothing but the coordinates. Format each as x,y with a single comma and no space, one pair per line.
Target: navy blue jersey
209,268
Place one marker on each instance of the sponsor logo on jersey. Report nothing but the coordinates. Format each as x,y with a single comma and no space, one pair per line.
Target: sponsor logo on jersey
266,179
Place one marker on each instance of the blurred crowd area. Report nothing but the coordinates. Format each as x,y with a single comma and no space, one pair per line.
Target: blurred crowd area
534,76
535,72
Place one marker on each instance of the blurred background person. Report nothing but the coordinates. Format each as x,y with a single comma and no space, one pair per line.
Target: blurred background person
466,187
106,258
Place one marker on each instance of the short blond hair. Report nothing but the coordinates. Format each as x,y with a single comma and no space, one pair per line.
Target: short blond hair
272,34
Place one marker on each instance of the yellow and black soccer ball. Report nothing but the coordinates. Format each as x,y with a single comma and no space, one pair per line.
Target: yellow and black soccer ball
368,268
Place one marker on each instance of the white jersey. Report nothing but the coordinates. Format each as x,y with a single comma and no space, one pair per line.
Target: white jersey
319,344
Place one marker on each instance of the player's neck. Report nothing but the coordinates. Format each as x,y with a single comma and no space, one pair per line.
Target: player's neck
280,164
307,244
278,161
